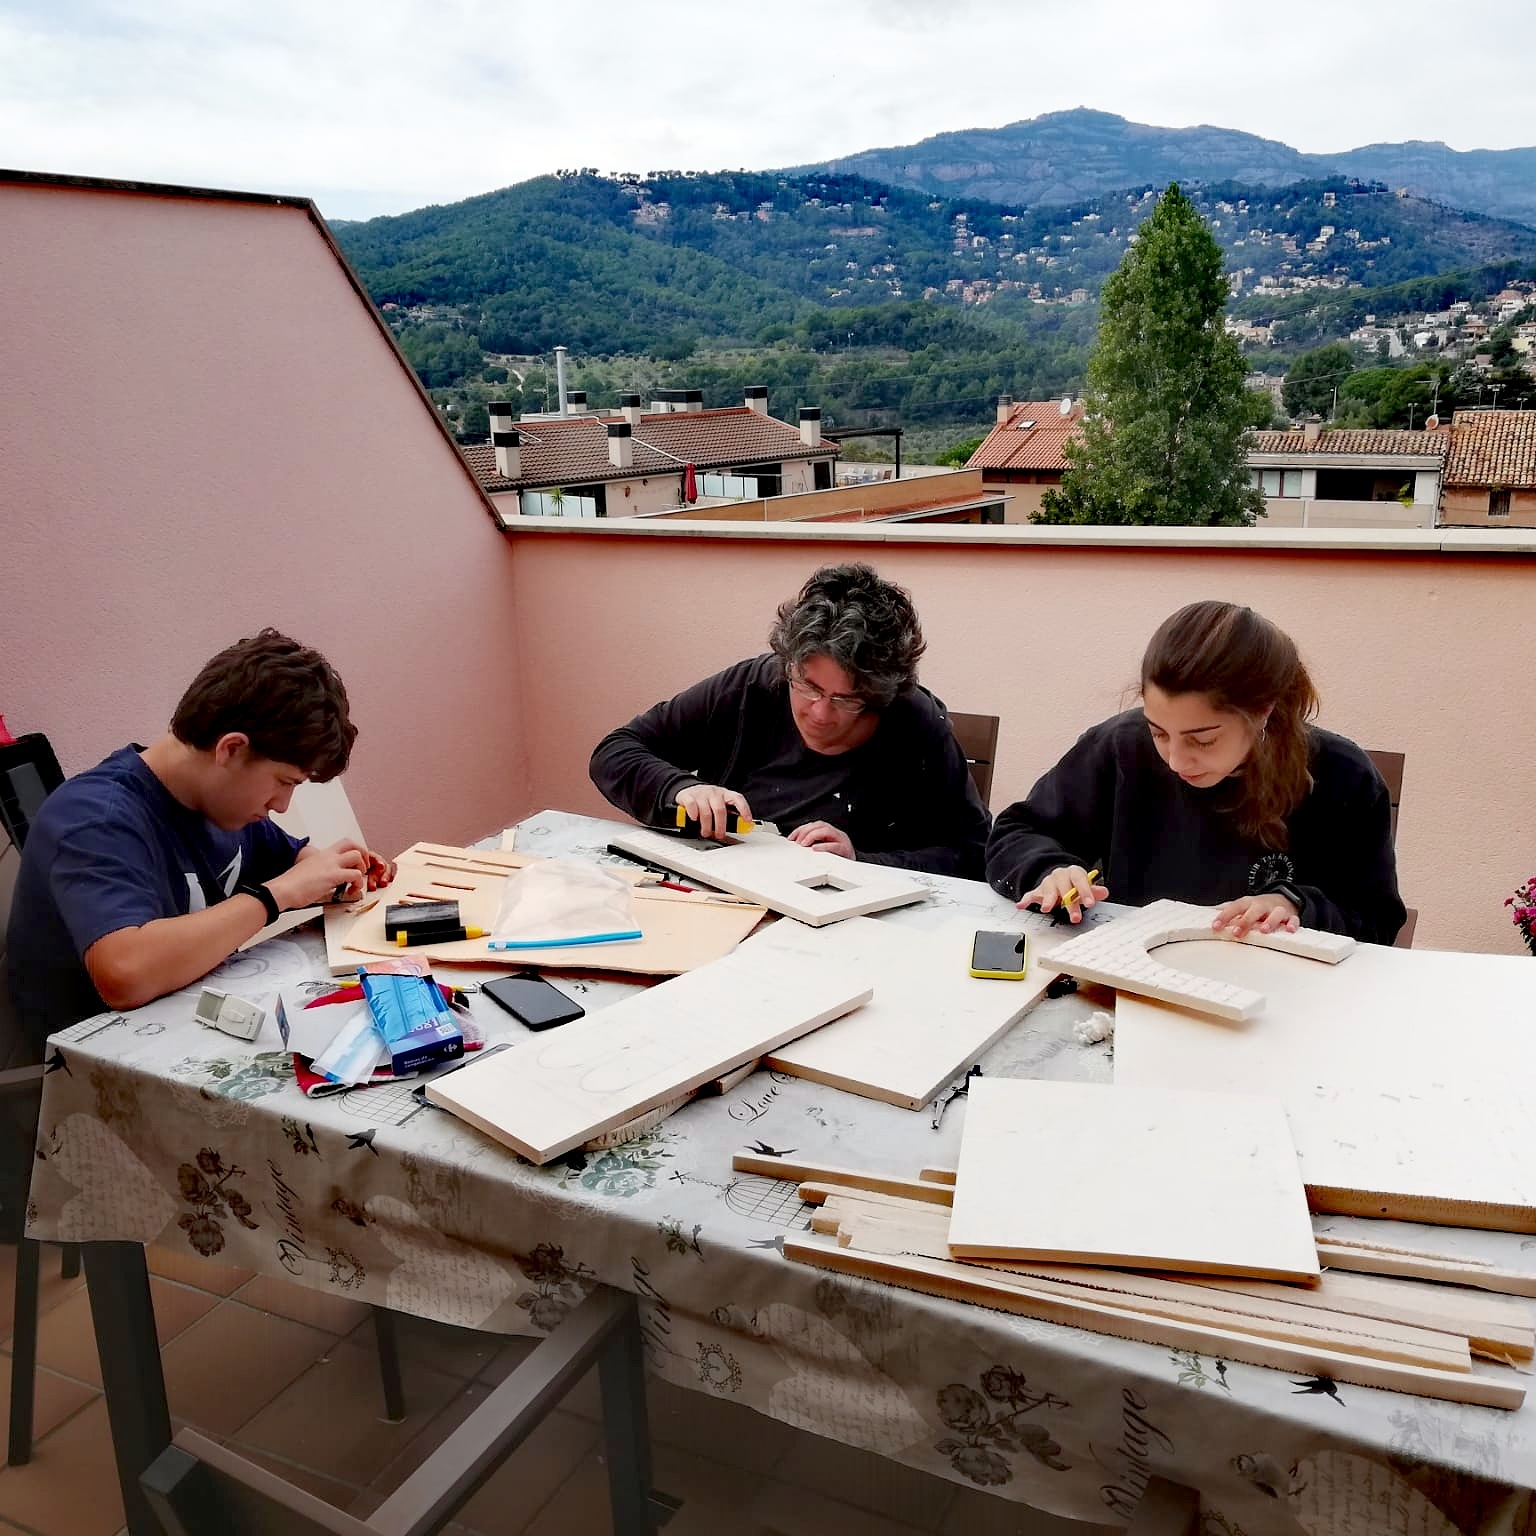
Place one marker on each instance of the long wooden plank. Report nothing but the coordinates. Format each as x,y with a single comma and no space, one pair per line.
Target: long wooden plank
1154,1178
822,1173
959,1282
1186,1303
552,1092
929,1021
813,888
1380,1261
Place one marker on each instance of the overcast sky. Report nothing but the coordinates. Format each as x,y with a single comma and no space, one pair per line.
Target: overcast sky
383,106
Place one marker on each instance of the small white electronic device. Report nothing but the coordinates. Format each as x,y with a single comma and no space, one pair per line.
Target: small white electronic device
233,1015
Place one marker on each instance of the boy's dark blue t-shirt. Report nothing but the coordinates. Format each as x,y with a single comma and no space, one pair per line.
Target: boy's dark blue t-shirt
112,848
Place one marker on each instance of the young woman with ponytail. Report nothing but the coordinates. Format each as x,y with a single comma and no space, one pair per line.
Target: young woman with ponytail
1218,791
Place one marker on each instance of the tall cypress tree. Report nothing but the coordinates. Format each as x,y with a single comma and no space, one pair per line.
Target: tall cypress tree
1164,437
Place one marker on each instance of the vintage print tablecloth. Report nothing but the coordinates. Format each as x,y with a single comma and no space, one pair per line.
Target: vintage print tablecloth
156,1129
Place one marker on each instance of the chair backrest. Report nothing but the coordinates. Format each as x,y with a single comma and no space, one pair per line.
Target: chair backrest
1390,766
29,773
977,736
198,1488
10,1028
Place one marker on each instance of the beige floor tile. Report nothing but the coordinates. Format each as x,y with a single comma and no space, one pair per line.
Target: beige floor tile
193,1269
977,1513
66,1339
462,1352
70,1486
320,1309
865,1480
532,1475
784,1509
52,1288
331,1419
232,1362
722,1430
54,1399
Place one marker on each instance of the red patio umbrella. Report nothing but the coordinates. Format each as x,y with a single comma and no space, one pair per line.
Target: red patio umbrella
690,485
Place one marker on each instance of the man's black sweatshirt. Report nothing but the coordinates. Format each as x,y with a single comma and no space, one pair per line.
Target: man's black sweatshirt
904,797
1113,803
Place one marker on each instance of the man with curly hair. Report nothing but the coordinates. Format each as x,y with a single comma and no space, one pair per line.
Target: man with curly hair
146,872
829,735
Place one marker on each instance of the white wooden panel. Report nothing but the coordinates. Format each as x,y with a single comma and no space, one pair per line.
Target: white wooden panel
1146,1178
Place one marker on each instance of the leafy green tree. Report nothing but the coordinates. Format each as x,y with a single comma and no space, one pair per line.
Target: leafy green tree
957,455
1168,412
1311,380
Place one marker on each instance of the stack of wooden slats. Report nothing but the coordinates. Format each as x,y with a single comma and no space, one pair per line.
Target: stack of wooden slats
1404,1334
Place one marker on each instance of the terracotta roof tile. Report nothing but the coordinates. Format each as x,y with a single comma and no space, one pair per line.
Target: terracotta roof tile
1352,441
574,450
1013,445
1493,448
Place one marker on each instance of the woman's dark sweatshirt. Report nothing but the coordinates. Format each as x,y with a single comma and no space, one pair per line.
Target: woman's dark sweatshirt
1113,803
904,797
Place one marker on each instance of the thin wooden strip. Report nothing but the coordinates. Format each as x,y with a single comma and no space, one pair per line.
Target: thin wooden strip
937,1175
785,1168
1330,1330
1415,1253
1501,1331
959,1282
1372,1261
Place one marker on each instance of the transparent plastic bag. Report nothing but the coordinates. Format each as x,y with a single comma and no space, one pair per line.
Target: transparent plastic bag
559,901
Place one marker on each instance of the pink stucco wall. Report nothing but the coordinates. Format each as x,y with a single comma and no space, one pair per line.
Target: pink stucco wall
1412,651
205,431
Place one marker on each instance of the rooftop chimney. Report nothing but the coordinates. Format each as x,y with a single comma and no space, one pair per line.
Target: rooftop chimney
560,380
508,443
629,408
621,445
1312,430
757,398
663,400
810,425
577,403
693,399
1004,407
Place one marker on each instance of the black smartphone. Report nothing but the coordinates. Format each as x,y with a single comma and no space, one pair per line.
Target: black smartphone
999,956
532,1001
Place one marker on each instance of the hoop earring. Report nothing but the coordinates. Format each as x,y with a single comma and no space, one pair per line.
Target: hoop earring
1263,735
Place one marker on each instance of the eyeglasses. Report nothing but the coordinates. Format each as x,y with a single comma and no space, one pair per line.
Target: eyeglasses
843,703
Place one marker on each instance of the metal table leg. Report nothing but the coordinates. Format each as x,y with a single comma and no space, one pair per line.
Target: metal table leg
124,1315
626,1430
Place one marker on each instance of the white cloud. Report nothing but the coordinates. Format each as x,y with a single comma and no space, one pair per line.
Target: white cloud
387,105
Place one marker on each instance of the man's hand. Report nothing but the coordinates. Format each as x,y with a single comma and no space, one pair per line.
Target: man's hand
318,872
824,838
1270,913
375,870
707,805
1054,888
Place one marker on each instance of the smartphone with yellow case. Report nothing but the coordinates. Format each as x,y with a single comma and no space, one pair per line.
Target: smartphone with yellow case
1000,956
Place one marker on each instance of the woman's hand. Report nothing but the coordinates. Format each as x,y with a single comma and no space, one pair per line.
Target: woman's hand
707,804
824,838
1069,887
1270,913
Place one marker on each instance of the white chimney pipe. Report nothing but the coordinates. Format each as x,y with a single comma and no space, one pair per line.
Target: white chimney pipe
757,398
629,408
810,425
577,403
621,445
693,400
560,380
509,453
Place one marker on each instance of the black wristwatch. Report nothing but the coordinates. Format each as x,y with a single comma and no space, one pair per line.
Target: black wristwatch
1291,894
263,895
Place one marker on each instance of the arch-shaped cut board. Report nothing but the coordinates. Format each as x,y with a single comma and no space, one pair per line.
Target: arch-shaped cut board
1118,954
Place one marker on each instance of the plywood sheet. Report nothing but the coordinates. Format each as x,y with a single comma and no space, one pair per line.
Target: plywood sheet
557,1090
1144,1178
1404,1073
814,888
678,931
1119,954
928,1021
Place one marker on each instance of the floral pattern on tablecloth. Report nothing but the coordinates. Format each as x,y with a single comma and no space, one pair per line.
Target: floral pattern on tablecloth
156,1129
